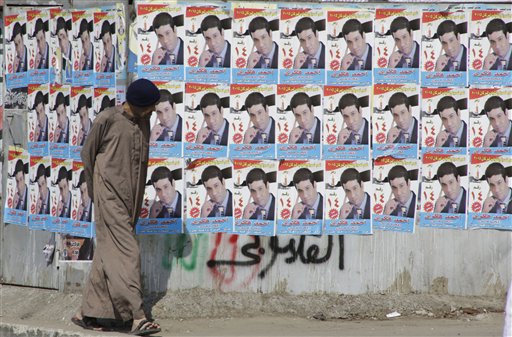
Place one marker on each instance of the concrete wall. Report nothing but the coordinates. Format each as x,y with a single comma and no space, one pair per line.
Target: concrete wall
452,262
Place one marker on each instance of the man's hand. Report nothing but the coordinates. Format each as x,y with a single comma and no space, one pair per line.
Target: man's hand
489,61
205,57
156,132
103,63
441,62
60,206
158,55
489,138
202,135
295,135
249,210
83,59
16,199
390,206
297,210
347,61
39,205
249,135
299,60
343,136
394,59
80,212
253,59
38,59
345,210
393,134
57,133
488,204
16,63
441,138
440,204
207,208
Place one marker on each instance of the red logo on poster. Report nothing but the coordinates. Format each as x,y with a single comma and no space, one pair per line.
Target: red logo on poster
287,63
333,214
10,69
429,66
190,137
237,138
51,136
381,137
335,65
285,214
240,62
477,64
331,139
429,141
9,203
73,140
238,213
382,62
33,209
97,67
32,64
194,212
283,138
476,207
477,142
429,206
144,212
377,209
145,59
192,61
31,136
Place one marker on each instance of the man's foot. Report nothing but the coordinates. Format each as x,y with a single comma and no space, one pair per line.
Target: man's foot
144,327
85,322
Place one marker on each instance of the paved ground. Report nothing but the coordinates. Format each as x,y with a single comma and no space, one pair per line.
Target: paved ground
30,312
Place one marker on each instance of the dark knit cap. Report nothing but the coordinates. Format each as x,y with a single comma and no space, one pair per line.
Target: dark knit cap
142,93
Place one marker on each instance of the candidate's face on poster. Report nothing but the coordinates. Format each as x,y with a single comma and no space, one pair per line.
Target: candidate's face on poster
353,117
167,37
165,190
62,117
402,116
84,116
309,42
259,192
307,192
499,43
41,42
216,190
84,194
498,119
401,189
451,120
19,46
262,41
213,117
63,39
40,110
215,40
20,182
166,113
304,116
356,43
498,186
451,44
64,189
43,186
259,116
86,42
450,186
403,41
108,47
354,192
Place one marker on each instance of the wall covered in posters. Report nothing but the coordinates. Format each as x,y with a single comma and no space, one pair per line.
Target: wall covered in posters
366,102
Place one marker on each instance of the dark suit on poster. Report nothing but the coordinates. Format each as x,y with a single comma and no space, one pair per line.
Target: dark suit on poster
509,141
229,207
226,62
413,138
271,135
160,212
415,61
273,63
223,138
463,137
366,208
87,213
271,210
46,206
497,206
164,137
22,66
43,63
179,58
321,61
22,202
461,208
319,214
316,136
368,62
463,61
509,63
364,136
410,209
